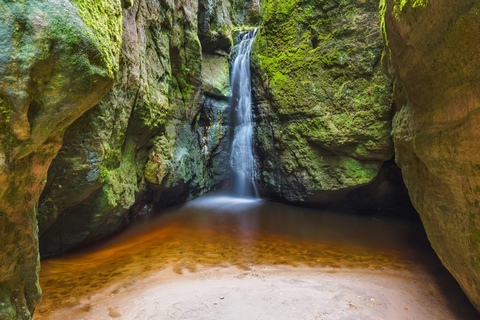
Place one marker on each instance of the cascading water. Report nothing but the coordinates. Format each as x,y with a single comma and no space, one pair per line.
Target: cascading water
242,158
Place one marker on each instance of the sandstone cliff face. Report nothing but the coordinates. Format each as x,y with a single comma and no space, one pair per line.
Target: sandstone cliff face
433,57
57,59
323,103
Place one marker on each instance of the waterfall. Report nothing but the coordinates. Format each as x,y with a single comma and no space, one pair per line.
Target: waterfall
242,160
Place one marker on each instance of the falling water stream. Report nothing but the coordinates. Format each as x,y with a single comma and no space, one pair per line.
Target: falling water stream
242,158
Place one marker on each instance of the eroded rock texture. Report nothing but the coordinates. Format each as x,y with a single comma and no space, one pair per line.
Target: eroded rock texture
57,59
433,56
323,103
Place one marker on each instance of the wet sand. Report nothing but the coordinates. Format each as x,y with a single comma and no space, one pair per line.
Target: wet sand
269,292
267,261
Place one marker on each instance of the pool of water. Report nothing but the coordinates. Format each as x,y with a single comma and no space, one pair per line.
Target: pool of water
218,230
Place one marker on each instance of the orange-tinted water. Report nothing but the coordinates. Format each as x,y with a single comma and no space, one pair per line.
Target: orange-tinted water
217,231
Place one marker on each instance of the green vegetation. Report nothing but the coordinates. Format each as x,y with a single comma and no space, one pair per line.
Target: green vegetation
401,5
307,55
54,67
104,20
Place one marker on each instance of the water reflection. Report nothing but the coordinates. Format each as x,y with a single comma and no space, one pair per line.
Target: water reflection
224,231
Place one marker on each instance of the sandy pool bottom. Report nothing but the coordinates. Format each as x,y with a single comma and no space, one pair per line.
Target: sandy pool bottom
271,292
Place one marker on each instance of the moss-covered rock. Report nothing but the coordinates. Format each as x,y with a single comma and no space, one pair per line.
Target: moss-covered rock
246,12
215,130
217,21
93,181
216,76
54,65
181,165
323,103
432,56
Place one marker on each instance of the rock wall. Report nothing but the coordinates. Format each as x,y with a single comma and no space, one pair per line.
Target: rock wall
57,60
161,135
433,56
323,104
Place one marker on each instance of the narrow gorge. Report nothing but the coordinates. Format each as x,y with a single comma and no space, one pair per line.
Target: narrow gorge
299,137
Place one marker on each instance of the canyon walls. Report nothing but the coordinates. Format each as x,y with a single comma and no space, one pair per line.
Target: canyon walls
158,138
162,134
432,54
134,96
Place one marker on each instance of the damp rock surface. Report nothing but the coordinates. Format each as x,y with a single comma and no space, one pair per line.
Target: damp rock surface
157,139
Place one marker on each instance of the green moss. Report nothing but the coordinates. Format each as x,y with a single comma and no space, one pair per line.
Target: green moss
160,162
54,68
7,138
312,64
400,6
317,64
5,109
120,187
301,52
358,172
383,11
104,19
7,311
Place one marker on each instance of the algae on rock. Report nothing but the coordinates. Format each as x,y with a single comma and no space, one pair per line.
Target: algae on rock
53,67
324,109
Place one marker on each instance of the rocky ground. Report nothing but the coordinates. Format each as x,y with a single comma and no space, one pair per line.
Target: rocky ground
273,292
